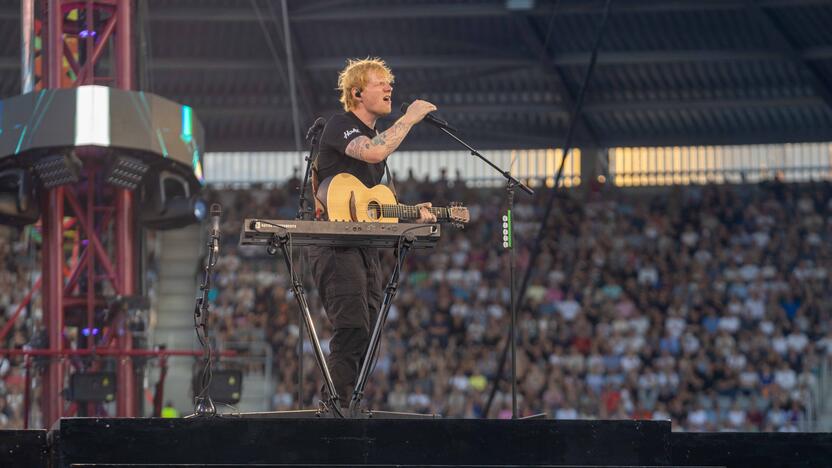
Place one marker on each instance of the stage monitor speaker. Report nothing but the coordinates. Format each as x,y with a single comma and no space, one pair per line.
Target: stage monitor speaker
92,387
226,386
18,203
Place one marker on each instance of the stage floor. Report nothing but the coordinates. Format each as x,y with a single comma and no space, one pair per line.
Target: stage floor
351,442
272,442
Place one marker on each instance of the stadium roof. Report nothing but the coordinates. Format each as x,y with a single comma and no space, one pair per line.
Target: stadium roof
506,72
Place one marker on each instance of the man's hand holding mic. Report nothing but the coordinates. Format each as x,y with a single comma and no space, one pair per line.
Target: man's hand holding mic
417,110
423,111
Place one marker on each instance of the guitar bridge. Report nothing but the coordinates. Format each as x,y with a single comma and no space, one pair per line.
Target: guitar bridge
353,214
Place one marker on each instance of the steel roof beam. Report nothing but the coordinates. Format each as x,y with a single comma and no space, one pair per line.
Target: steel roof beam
448,10
582,58
441,10
451,10
468,62
302,80
642,105
777,34
533,40
299,78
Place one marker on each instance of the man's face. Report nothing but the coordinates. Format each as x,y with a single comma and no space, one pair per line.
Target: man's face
377,96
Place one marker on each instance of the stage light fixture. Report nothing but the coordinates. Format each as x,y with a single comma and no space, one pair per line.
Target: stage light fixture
200,209
57,170
169,203
126,172
18,203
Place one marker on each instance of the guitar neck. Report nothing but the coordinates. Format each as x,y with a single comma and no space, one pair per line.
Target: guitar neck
412,212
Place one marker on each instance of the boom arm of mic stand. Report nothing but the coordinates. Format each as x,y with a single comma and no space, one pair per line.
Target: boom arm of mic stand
510,178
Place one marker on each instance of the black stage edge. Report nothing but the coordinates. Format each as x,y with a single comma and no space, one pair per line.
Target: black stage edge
23,448
758,449
226,442
331,442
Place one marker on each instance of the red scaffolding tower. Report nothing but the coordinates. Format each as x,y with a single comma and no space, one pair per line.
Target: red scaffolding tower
88,190
78,33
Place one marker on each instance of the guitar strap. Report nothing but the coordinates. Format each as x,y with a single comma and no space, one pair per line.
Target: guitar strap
390,180
319,205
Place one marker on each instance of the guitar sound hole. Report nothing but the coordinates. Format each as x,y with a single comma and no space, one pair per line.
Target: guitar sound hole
374,210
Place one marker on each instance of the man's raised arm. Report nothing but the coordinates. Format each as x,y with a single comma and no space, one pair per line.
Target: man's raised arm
376,149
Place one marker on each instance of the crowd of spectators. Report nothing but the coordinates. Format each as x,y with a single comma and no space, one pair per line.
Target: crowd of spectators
18,264
705,305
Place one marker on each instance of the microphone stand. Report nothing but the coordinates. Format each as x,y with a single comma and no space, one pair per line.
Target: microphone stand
312,136
303,209
508,243
203,404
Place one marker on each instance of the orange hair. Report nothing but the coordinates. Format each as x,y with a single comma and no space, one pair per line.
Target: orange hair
357,74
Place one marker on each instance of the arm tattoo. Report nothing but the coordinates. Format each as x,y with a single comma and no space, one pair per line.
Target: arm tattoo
357,148
393,136
390,139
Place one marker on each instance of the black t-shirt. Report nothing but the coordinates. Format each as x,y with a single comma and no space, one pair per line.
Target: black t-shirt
340,130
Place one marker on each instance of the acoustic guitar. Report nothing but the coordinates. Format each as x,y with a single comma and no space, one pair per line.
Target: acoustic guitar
345,198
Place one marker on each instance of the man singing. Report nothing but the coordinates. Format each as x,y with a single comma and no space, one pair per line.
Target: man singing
349,279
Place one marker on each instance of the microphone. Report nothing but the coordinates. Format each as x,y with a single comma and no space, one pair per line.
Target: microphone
216,212
316,127
432,119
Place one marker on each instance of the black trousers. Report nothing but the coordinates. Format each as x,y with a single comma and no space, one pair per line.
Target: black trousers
350,286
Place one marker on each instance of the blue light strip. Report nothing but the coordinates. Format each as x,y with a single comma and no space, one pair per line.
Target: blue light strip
20,141
187,116
162,142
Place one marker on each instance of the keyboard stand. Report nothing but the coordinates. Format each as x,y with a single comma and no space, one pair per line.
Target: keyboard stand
375,340
281,241
331,408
